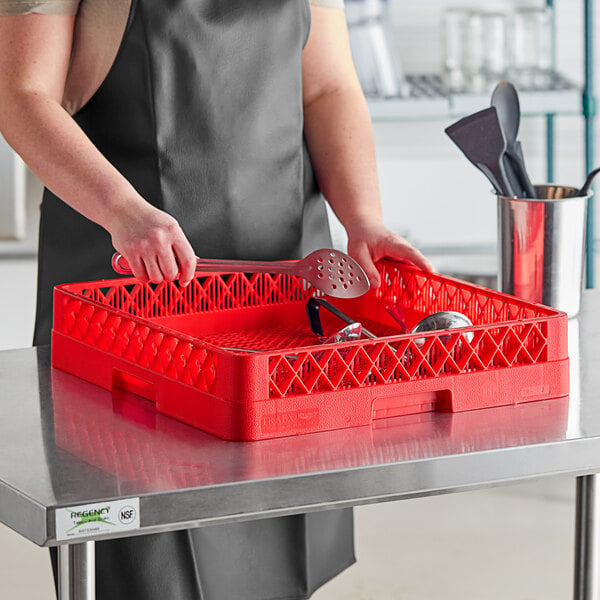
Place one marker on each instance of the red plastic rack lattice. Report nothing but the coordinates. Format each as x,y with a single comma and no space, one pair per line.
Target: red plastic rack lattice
166,343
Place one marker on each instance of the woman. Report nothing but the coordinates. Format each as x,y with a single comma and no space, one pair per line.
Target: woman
171,129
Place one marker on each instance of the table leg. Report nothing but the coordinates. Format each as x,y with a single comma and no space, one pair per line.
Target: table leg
587,538
76,571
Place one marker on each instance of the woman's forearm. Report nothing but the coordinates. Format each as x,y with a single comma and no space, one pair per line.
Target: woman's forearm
34,63
63,158
66,161
340,140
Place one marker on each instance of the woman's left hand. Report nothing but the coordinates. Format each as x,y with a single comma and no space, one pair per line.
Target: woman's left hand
370,241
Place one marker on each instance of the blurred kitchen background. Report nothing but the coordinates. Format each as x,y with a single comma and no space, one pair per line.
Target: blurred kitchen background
423,65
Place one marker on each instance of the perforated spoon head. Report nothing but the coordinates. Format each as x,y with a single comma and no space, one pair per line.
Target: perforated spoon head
334,273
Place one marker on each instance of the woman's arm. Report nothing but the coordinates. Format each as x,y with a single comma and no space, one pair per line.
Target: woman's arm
34,60
338,132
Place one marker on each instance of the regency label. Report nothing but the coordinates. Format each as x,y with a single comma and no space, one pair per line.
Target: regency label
94,519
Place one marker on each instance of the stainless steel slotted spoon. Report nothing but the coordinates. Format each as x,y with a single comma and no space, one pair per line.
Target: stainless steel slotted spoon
329,271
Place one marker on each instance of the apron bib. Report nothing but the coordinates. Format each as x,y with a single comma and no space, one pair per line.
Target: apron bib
202,113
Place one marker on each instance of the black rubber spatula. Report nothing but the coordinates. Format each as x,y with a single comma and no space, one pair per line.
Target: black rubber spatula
480,138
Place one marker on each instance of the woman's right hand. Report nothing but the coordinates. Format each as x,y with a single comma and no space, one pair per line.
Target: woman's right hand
153,243
35,51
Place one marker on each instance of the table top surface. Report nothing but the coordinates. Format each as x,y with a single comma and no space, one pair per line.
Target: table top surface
66,442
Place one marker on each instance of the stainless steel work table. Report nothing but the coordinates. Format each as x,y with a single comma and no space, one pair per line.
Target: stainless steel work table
67,443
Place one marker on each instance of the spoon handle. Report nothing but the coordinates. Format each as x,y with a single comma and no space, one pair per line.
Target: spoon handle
121,266
512,176
515,155
247,266
312,308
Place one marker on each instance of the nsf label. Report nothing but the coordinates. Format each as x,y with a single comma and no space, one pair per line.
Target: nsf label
96,519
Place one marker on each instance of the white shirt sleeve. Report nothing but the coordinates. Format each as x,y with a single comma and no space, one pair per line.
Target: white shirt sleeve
47,7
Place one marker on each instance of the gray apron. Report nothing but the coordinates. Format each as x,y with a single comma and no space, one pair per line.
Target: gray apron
202,113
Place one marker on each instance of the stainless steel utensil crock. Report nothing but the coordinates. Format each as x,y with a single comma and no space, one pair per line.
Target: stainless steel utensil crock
541,246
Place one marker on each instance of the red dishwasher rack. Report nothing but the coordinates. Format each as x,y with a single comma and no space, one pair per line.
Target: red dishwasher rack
186,350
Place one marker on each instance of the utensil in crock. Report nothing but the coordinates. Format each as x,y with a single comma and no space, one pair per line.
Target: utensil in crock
506,101
480,138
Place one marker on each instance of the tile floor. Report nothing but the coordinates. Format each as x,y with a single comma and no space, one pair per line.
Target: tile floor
512,542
